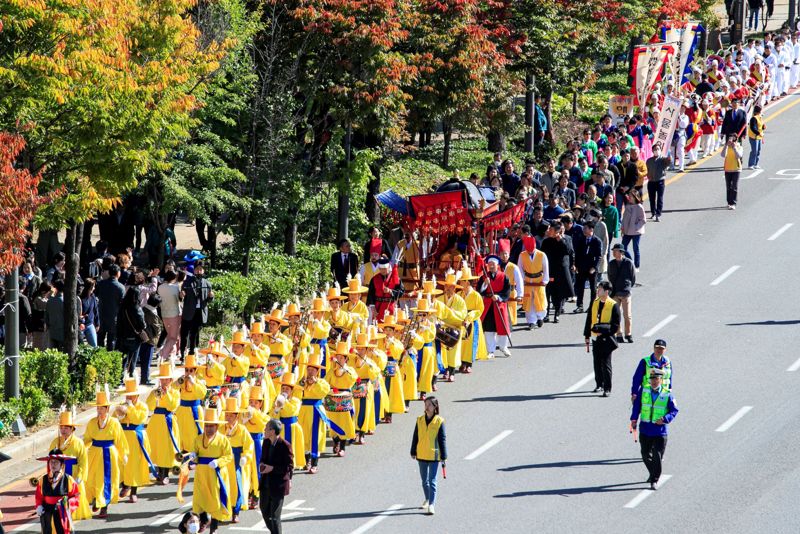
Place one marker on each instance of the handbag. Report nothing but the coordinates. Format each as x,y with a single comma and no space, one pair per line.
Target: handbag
142,333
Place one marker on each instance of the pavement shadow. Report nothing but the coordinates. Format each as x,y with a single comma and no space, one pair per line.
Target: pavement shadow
566,492
766,323
523,398
411,510
551,346
689,210
585,463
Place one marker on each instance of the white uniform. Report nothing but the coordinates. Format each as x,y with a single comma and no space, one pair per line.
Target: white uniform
794,73
771,62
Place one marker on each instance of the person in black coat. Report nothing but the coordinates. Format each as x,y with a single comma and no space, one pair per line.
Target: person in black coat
196,293
109,297
604,343
343,263
588,253
561,259
130,326
277,463
734,121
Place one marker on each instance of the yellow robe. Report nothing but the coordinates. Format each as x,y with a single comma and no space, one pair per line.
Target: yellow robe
213,376
408,367
77,469
136,472
255,422
380,359
395,387
474,346
369,271
367,373
532,275
356,311
454,317
236,369
426,364
240,477
190,413
343,419
408,261
310,418
512,302
107,446
319,332
299,352
258,354
165,444
343,320
293,431
207,495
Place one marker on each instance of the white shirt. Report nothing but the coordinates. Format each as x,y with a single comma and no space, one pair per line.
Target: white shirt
170,300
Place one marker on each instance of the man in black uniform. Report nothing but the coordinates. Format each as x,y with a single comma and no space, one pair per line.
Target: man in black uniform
602,322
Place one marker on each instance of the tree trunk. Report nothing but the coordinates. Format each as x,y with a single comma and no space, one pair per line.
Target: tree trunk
575,104
344,197
86,247
428,135
212,242
371,208
447,132
290,238
247,245
496,141
422,143
615,62
71,316
46,247
635,41
530,112
548,113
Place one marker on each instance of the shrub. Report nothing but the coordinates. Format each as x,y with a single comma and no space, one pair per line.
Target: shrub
94,366
47,371
33,405
8,414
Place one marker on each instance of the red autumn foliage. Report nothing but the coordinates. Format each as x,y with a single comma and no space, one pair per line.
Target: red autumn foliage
678,10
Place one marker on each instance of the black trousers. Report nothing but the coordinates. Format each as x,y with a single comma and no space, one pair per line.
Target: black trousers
655,190
271,506
581,277
602,368
51,522
190,332
652,454
107,337
732,187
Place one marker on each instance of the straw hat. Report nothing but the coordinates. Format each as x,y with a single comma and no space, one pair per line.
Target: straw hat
239,338
131,388
335,293
374,335
102,398
65,418
287,379
232,405
164,370
257,328
190,362
276,315
257,393
210,417
293,310
424,306
354,285
319,305
466,273
363,341
402,316
451,278
315,360
429,287
392,322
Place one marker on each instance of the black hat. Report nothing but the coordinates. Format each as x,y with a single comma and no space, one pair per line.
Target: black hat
660,343
618,246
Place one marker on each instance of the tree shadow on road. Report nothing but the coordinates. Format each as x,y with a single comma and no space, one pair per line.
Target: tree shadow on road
411,510
688,210
585,463
553,346
766,323
523,398
566,492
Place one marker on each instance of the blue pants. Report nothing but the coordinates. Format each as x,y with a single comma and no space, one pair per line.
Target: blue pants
755,152
635,238
427,472
90,335
145,359
752,22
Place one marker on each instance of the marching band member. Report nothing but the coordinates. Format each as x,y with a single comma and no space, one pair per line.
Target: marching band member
255,420
213,372
132,414
319,330
430,292
256,350
379,358
57,495
454,317
76,460
193,393
354,306
299,337
340,413
363,390
393,377
408,363
243,465
107,448
162,430
473,346
339,319
426,359
312,416
280,349
211,494
237,366
287,411
536,272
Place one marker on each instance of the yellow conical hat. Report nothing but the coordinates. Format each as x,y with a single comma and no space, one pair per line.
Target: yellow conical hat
65,419
210,417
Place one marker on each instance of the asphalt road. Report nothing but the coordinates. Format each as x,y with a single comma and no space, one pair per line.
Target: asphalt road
562,459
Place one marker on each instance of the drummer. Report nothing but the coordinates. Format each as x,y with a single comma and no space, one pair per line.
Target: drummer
426,359
363,390
312,416
393,378
339,403
319,330
192,394
355,307
454,317
287,412
340,320
473,346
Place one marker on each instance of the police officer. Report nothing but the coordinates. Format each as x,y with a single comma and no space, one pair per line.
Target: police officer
656,409
658,360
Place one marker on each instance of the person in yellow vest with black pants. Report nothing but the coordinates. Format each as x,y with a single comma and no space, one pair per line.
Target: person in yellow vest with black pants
602,322
656,409
755,133
428,448
732,156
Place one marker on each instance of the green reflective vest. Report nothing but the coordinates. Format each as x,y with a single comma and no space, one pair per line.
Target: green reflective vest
654,409
666,381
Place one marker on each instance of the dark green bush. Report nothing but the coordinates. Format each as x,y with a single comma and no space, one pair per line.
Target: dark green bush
94,366
33,405
8,414
48,371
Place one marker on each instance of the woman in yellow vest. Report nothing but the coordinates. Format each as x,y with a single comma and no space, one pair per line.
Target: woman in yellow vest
132,414
255,420
287,412
602,322
473,346
428,448
426,358
243,465
107,447
363,390
162,430
355,307
732,164
76,465
393,377
755,133
312,414
408,363
339,403
189,413
454,317
211,495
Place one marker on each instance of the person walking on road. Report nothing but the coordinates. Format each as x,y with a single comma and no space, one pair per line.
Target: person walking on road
602,322
588,253
277,463
656,180
633,223
732,156
755,133
656,410
656,360
622,275
428,448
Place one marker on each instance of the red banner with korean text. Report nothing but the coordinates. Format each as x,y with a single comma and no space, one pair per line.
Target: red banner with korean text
504,219
441,213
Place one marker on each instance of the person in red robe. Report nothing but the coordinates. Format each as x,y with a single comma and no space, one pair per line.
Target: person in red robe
56,495
384,290
495,289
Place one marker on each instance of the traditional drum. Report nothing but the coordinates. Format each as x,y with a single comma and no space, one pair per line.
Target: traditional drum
341,401
447,336
391,368
360,389
276,368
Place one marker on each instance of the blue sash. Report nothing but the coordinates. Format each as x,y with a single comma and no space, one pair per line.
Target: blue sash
235,379
106,445
323,350
69,464
237,454
195,404
258,441
319,415
223,492
439,356
475,336
287,428
139,431
168,415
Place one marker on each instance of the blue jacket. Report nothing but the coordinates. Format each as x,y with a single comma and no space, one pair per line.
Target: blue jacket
638,376
652,429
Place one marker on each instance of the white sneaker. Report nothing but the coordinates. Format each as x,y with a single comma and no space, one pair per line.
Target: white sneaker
490,355
505,351
425,505
431,511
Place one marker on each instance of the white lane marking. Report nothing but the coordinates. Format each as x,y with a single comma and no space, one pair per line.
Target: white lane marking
579,384
794,367
489,444
782,229
33,525
753,174
734,418
376,520
786,174
718,280
636,501
169,518
660,325
261,526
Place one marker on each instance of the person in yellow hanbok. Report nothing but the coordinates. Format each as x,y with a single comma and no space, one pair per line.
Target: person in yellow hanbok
340,414
162,430
107,447
393,378
426,357
189,415
76,465
355,307
243,465
364,390
312,415
430,292
298,337
287,412
211,496
380,359
473,346
255,420
257,350
454,316
237,365
319,329
536,273
132,414
513,273
341,322
280,347
212,373
408,363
